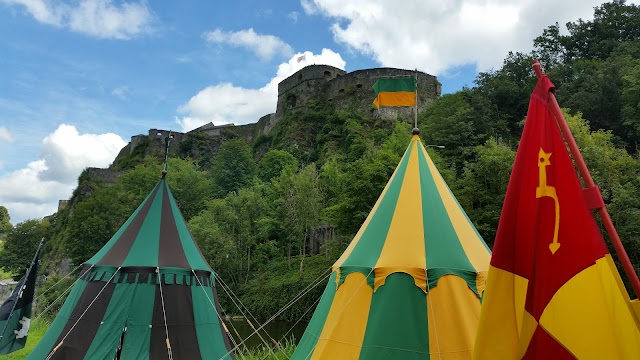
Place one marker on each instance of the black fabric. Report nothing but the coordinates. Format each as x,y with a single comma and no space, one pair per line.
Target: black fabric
22,294
119,251
77,342
178,306
170,252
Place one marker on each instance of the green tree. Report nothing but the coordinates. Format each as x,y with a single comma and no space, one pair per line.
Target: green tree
273,162
302,204
233,167
5,225
21,244
483,186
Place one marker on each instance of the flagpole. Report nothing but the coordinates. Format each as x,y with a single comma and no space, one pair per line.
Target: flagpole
416,100
591,186
26,277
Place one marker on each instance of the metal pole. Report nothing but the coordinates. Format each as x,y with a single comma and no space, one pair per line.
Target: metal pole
586,176
415,125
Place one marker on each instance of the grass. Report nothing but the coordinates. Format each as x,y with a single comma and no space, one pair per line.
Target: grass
267,353
36,332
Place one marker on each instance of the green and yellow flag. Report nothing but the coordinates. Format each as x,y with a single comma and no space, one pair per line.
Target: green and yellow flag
400,91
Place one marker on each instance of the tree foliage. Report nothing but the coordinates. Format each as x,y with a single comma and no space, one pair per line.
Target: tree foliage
319,167
21,244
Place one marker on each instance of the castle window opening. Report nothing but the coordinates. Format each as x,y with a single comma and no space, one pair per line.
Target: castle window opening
359,86
341,91
327,74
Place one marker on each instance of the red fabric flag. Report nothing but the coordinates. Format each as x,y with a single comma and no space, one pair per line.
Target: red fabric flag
552,289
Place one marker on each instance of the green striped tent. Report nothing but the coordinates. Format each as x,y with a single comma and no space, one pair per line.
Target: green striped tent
409,284
147,294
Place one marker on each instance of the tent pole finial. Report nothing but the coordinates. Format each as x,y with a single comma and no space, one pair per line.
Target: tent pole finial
415,131
166,153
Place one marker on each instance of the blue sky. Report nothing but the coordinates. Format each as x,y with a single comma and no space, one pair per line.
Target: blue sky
80,77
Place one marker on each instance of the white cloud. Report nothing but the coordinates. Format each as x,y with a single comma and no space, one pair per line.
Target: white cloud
265,46
33,192
41,10
5,134
294,15
98,18
436,35
226,103
120,92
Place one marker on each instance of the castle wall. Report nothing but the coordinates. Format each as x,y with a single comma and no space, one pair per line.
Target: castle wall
304,85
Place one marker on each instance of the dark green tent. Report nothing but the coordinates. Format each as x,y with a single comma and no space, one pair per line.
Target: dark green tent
147,294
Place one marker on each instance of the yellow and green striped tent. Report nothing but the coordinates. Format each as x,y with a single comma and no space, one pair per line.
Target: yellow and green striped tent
409,285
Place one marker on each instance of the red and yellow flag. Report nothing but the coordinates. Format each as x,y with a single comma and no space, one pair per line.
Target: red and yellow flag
552,291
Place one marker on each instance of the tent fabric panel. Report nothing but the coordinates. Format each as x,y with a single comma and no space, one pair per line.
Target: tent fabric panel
608,331
138,335
472,243
189,246
309,339
344,329
117,248
397,325
80,331
207,322
145,248
48,341
442,244
352,245
108,337
404,244
171,252
470,277
178,309
367,251
453,311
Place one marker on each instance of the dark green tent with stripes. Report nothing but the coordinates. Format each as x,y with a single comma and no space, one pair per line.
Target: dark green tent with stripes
147,294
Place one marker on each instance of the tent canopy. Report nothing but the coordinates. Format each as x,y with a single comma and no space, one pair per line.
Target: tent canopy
146,294
409,284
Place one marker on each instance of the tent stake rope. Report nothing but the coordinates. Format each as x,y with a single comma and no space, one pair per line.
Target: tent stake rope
249,322
302,317
233,295
216,311
340,312
65,292
240,302
164,316
84,312
305,291
58,282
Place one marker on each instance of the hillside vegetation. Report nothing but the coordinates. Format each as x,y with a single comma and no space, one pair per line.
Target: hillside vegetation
256,208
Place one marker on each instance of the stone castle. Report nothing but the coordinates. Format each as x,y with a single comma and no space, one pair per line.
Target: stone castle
336,87
318,82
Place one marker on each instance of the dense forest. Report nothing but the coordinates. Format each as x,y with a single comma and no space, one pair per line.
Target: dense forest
256,208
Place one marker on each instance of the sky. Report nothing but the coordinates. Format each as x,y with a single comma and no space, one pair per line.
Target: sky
78,78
